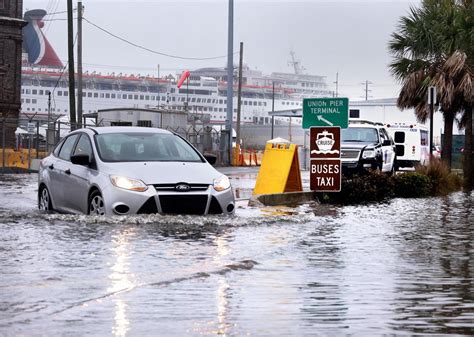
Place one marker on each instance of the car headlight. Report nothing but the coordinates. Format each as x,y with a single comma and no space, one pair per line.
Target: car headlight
128,183
222,183
368,153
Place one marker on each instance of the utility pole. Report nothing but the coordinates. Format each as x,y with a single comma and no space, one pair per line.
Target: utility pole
239,105
79,64
337,83
367,82
273,106
158,71
230,79
70,45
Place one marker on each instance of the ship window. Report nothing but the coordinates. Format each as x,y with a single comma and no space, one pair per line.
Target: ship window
22,100
199,100
39,109
124,96
245,102
96,94
173,98
147,97
60,93
193,99
209,100
27,100
28,91
32,109
135,96
259,103
225,109
144,123
22,91
264,103
112,95
107,95
41,92
220,109
66,93
34,101
220,101
34,92
27,109
101,95
130,96
215,109
141,97
205,109
254,102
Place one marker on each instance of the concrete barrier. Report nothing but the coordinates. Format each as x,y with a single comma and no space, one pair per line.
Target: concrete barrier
277,199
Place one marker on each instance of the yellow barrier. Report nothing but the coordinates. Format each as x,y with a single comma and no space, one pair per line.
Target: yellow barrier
19,159
280,170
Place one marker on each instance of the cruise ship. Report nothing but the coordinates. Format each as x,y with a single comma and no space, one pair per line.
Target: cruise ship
205,93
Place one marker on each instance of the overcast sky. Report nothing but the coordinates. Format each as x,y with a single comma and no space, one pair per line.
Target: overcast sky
348,37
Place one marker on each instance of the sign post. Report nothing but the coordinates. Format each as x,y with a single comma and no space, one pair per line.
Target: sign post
325,117
325,159
325,112
431,102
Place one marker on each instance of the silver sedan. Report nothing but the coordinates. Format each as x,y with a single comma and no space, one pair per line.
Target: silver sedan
131,170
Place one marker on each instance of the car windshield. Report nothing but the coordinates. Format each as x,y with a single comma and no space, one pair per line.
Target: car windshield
123,147
359,135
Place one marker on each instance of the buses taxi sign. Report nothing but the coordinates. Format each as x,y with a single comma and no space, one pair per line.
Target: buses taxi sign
325,112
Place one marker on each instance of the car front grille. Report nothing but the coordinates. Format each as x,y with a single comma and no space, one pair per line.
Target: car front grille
172,187
350,154
183,204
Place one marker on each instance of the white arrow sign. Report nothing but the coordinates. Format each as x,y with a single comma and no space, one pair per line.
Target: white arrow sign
321,118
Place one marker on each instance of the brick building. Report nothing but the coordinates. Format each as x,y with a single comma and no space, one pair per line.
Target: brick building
10,67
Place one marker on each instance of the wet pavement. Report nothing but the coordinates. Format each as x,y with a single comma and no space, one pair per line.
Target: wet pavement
405,267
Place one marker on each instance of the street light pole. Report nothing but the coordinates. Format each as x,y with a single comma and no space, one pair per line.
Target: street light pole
230,79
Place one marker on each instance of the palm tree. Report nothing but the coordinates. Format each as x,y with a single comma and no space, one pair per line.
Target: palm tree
432,47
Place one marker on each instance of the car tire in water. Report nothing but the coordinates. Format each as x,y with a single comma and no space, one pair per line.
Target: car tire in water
44,200
96,204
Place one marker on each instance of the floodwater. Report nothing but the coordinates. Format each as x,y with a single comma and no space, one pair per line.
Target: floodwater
405,267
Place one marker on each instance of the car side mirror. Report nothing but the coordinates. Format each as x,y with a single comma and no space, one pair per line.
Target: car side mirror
81,159
211,158
387,142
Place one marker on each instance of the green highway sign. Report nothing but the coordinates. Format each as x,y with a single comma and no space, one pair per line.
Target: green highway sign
325,112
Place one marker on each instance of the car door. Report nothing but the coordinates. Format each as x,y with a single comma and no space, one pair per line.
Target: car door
61,171
77,187
388,153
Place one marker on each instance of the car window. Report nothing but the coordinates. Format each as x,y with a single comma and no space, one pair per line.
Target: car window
359,135
383,136
58,148
84,146
66,149
145,147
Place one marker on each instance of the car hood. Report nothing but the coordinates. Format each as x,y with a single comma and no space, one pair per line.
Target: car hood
164,172
356,145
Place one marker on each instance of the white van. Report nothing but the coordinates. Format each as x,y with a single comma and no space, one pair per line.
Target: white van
411,142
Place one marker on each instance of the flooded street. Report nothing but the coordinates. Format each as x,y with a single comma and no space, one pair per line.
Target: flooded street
401,268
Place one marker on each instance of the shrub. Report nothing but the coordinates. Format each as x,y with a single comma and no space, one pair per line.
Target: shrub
443,181
371,186
412,185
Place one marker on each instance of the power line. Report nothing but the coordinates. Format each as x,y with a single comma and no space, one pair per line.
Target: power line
150,50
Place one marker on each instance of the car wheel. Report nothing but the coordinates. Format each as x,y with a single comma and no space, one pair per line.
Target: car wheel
44,200
96,204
